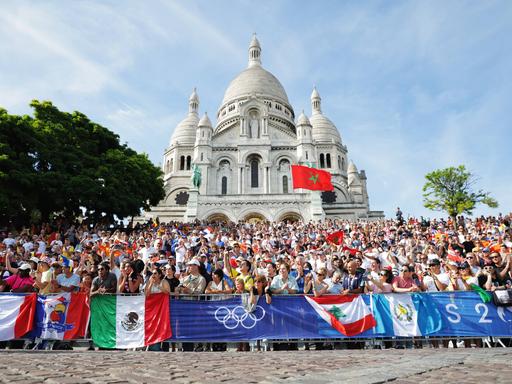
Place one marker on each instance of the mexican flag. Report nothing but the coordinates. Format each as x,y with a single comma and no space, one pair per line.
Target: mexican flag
311,178
349,314
16,315
130,321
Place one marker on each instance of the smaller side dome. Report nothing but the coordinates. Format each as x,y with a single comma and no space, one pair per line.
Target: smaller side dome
352,167
303,119
205,121
185,131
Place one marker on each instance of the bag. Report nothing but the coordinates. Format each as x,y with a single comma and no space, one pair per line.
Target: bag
502,298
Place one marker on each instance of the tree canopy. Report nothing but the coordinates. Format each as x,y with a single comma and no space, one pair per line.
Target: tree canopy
452,190
60,163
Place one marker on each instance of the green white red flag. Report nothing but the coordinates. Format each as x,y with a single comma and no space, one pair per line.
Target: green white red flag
130,321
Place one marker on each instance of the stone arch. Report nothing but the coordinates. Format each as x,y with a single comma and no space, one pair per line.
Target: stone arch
256,213
253,153
173,193
225,156
289,214
218,217
342,195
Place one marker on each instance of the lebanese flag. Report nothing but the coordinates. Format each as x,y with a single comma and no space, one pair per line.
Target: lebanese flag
349,314
64,316
16,315
130,321
335,237
311,178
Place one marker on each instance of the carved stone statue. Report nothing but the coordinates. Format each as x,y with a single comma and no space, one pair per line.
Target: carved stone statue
254,126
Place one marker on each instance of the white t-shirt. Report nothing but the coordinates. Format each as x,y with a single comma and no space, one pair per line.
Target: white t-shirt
8,241
431,285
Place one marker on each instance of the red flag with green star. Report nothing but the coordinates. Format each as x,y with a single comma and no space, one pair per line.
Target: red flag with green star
311,178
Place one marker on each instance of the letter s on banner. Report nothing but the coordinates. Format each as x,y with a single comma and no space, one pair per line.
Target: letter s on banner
452,312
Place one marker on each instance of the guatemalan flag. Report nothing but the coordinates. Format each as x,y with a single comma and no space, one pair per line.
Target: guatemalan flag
348,314
63,316
404,314
16,315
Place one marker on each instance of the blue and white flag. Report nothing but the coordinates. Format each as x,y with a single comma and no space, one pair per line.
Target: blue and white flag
402,314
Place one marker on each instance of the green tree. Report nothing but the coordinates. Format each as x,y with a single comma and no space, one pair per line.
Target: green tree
452,190
66,162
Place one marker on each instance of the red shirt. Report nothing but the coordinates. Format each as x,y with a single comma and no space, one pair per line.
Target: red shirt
403,283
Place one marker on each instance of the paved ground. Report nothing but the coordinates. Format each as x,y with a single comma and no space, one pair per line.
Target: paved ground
366,366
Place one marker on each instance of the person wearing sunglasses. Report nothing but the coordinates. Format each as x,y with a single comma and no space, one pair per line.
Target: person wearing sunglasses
105,282
382,284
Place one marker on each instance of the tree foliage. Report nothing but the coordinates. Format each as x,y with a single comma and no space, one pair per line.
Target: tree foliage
452,190
60,162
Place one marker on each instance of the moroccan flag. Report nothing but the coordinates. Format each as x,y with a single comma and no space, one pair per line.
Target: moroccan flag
16,315
63,316
352,251
335,237
454,257
311,178
348,314
130,321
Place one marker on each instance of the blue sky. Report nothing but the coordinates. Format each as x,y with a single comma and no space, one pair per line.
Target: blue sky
412,85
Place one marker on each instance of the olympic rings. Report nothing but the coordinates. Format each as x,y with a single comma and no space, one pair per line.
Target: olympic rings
238,316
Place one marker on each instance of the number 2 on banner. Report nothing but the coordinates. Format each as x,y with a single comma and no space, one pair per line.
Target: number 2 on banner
485,311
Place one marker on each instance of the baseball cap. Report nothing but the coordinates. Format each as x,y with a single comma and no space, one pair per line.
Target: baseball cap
24,267
194,262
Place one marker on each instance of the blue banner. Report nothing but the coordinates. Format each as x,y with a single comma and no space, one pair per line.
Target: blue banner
292,317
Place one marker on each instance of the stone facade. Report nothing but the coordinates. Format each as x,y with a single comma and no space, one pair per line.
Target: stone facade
245,160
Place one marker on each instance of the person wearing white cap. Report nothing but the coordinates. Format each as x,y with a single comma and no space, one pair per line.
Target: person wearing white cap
21,281
194,283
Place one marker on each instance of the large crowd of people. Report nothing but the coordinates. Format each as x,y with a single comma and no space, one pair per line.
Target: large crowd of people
412,255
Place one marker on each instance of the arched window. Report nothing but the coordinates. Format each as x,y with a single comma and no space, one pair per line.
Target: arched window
307,155
224,186
189,161
328,160
342,163
285,184
171,167
254,174
339,163
201,156
322,161
167,166
182,163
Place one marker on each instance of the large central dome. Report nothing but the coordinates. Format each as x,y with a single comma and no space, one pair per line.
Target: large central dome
255,80
258,81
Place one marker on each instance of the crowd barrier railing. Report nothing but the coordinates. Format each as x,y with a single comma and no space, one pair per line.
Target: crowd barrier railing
292,319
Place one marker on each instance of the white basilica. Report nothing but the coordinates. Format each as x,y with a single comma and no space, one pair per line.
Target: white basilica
245,158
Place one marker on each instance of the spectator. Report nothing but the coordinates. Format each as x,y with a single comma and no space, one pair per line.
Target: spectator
130,280
193,283
21,281
157,283
380,285
68,281
170,276
405,282
283,283
434,280
218,285
353,281
105,282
